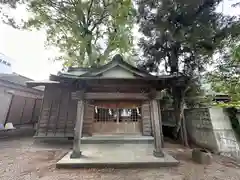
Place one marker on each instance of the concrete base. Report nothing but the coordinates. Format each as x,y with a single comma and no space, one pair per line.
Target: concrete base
117,156
117,139
98,139
75,155
158,153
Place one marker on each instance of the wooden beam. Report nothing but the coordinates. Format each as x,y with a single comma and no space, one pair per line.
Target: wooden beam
58,110
118,83
116,96
157,129
67,113
112,96
109,96
40,113
78,95
23,109
9,109
33,111
49,116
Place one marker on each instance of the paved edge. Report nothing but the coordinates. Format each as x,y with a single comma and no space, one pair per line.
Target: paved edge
117,165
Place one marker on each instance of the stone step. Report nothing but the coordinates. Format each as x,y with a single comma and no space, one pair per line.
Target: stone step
115,139
117,156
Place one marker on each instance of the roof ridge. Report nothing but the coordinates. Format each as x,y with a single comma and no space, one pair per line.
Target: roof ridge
23,76
117,60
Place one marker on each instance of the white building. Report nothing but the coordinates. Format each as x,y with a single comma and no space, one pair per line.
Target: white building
6,64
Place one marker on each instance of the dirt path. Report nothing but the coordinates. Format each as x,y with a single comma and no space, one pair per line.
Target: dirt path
24,160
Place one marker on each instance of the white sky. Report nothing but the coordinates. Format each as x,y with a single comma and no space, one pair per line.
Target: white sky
30,56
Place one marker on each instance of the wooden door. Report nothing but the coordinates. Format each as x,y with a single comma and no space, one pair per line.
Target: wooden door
117,121
116,128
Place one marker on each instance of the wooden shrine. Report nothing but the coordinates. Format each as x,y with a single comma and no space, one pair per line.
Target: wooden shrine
116,98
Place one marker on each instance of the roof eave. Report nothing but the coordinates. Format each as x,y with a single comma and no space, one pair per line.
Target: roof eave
32,84
57,78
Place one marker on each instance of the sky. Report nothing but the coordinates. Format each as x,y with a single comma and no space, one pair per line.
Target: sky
31,58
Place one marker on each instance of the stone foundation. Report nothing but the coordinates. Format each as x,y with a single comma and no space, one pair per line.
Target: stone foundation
211,128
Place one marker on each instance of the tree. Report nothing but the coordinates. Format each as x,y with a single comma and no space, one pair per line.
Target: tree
182,36
86,32
225,78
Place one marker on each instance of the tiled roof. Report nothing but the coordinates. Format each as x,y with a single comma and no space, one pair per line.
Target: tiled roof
93,72
15,79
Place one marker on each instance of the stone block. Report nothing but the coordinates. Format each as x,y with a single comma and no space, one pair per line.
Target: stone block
201,156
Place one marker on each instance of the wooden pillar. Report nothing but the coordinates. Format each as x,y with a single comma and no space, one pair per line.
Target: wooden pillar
78,130
157,128
160,122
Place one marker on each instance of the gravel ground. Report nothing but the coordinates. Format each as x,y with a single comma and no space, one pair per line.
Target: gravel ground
25,160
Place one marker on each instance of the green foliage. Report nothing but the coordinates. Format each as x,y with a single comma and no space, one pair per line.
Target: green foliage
194,97
232,113
183,35
230,87
226,76
236,53
85,31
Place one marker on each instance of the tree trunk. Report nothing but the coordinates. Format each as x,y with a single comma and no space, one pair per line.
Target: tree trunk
179,116
89,53
89,38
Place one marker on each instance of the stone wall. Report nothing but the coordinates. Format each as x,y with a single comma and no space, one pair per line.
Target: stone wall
200,129
223,130
210,128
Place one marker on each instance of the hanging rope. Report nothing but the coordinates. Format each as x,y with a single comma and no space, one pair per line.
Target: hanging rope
121,105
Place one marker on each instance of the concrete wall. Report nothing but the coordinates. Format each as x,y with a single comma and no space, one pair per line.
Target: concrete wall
211,128
200,128
223,130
